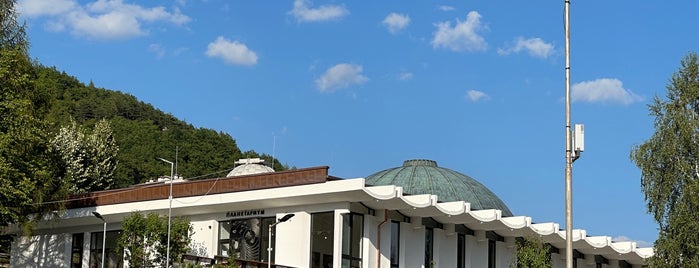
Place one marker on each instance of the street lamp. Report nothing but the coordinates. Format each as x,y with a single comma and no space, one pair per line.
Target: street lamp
269,236
104,233
169,211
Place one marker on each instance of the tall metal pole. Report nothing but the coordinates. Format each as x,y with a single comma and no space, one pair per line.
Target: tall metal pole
269,241
269,245
569,149
169,211
104,240
104,233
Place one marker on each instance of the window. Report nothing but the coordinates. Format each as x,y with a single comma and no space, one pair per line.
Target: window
245,239
112,259
266,222
491,253
322,226
429,246
76,251
395,244
352,233
461,251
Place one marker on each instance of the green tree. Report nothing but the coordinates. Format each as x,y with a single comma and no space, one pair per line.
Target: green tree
133,239
669,164
90,158
12,34
144,239
29,173
532,253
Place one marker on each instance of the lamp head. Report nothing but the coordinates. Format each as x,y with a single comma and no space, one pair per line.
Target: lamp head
98,215
164,160
286,217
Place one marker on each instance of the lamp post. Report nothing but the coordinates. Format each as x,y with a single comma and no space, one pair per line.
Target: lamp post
104,233
269,237
169,211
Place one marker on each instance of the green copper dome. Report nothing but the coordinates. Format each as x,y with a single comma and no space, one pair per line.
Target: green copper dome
425,177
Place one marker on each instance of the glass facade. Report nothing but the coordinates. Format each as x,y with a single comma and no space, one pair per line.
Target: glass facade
245,239
352,233
76,251
112,259
429,246
322,234
395,244
491,253
461,251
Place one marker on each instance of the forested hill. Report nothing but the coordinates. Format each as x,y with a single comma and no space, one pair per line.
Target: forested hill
142,132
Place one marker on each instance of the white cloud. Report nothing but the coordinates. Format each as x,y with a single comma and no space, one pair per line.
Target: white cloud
341,76
639,243
304,13
446,8
603,90
395,22
475,95
534,46
157,49
463,36
179,51
405,76
148,14
231,52
37,8
101,19
113,25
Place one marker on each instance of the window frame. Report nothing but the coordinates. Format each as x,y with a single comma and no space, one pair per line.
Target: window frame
77,247
262,236
110,249
351,258
492,253
395,245
429,246
319,259
460,250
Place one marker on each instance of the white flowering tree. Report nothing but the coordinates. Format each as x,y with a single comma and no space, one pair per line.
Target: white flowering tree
89,158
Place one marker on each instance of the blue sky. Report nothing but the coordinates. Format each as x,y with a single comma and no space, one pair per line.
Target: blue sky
361,86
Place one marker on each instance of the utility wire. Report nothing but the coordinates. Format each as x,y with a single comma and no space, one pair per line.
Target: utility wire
135,189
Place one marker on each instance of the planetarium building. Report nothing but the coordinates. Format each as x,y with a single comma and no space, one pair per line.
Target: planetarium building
415,215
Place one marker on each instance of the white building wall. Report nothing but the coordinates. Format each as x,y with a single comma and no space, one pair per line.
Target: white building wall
505,254
385,257
580,262
468,255
556,261
478,249
369,243
204,238
293,240
337,242
44,250
444,249
414,248
402,259
86,250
